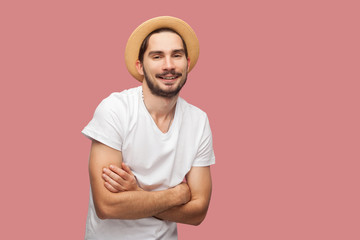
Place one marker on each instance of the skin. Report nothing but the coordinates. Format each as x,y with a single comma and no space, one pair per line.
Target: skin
115,190
198,179
128,204
165,52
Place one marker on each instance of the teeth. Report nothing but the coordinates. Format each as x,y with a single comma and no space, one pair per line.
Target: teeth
168,78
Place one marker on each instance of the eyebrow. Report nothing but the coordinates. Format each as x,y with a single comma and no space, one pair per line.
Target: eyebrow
179,51
161,52
155,52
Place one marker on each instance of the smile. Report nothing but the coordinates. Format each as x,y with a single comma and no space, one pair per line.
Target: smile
169,75
168,78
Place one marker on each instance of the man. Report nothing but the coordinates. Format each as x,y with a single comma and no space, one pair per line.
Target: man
147,140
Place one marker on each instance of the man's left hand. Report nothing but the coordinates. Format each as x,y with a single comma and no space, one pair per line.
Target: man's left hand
120,179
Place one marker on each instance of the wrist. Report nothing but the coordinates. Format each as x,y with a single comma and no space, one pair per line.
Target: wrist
181,194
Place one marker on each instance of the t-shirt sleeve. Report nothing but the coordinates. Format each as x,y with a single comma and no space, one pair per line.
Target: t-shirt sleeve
205,155
106,125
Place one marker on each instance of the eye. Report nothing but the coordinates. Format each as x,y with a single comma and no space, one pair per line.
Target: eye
156,57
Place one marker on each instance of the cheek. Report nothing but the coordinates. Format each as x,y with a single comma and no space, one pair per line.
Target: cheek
183,65
153,68
186,68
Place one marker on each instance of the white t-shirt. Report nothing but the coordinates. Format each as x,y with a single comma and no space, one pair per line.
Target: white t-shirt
158,160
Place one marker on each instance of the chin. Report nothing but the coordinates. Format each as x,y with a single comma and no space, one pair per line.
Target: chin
159,87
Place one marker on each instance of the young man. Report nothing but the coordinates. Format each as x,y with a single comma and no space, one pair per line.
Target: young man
147,140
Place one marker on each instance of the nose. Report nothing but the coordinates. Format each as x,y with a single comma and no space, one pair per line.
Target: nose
168,64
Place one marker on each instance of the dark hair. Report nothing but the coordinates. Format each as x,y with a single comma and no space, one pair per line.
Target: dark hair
145,43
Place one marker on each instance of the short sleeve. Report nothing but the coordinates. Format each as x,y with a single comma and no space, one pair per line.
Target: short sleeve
106,125
205,155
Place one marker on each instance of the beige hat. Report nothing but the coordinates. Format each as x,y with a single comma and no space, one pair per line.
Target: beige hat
141,32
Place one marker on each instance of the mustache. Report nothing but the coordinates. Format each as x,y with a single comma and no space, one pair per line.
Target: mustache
172,72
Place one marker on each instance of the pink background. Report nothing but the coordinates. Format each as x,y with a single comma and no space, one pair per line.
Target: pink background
278,79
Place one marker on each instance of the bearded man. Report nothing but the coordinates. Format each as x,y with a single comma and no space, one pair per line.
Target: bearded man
151,151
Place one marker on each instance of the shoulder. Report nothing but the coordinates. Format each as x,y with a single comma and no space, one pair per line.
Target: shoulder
120,101
191,111
194,118
118,107
117,98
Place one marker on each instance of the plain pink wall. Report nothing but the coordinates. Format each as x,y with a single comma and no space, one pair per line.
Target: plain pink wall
278,79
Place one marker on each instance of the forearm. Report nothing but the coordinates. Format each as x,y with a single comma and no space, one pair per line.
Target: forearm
127,204
171,204
192,213
138,204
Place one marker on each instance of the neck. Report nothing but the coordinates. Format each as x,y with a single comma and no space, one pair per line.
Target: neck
160,108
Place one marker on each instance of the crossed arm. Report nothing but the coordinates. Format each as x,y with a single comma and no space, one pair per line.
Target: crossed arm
186,203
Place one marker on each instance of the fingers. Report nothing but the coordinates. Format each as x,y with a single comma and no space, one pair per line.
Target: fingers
123,173
111,184
131,178
111,188
127,169
114,179
120,179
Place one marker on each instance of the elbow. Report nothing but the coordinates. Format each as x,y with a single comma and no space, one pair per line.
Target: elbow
101,216
104,209
196,223
198,220
101,211
108,210
200,217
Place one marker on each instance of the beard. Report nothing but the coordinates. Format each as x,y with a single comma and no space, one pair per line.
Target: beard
156,90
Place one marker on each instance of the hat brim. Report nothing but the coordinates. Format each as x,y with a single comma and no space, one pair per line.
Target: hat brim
141,32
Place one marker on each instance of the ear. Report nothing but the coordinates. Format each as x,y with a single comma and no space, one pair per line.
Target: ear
139,67
188,64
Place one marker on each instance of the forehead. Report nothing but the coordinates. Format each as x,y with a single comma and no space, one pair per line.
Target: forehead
164,41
